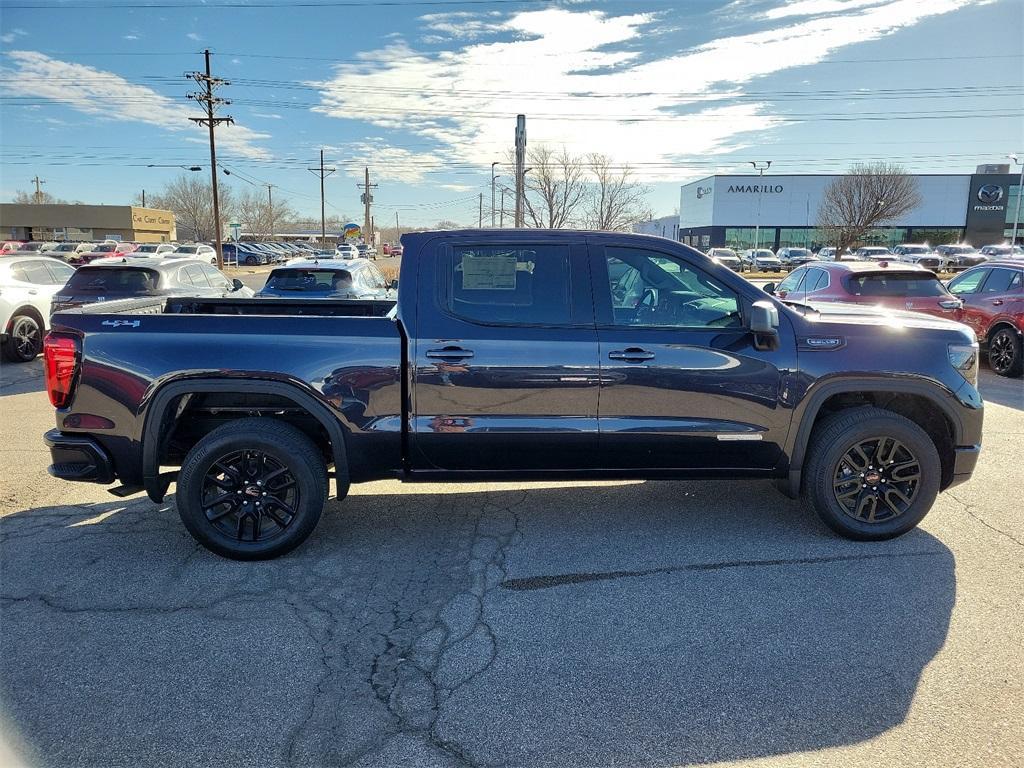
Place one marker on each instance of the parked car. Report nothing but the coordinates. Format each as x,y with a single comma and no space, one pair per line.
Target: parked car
922,255
347,251
10,246
726,257
27,284
64,250
30,248
993,306
996,251
155,276
892,285
154,249
95,251
761,260
366,251
397,249
331,278
795,257
195,251
512,354
960,257
872,253
386,248
86,247
828,253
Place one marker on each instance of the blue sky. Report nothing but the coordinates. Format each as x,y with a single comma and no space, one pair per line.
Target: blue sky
427,93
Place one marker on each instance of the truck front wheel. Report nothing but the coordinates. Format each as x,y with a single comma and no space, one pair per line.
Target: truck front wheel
871,474
252,489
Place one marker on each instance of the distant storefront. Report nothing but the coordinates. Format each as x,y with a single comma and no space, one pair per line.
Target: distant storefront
780,211
86,222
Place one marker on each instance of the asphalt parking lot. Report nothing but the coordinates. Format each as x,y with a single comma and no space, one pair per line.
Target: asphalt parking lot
542,624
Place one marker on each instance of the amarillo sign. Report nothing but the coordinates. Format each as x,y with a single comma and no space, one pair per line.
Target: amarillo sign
755,188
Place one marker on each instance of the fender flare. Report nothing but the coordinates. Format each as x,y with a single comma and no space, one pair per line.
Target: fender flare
807,413
156,416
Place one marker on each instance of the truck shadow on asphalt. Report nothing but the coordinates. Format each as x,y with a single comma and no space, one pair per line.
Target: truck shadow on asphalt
643,624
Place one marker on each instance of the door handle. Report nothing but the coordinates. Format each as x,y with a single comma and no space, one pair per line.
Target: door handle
32,291
997,302
631,355
449,353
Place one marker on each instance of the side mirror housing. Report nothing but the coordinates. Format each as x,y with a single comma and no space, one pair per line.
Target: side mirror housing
764,324
769,288
237,284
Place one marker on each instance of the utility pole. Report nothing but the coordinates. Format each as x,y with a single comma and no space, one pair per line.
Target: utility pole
760,166
398,229
323,173
209,83
493,177
1020,193
503,191
39,192
270,209
366,198
143,198
520,162
480,218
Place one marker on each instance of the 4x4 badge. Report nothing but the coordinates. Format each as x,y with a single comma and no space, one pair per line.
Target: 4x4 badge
119,323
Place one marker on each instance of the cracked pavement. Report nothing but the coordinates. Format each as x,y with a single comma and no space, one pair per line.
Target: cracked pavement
528,624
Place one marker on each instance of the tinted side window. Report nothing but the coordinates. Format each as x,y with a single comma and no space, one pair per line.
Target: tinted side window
59,273
31,272
194,274
522,285
1000,281
816,280
652,289
214,275
792,281
968,283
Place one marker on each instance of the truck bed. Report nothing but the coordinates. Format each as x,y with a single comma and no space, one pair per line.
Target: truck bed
187,305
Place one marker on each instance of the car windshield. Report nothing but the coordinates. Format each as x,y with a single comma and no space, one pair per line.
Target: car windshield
105,248
960,249
896,284
116,280
916,249
764,254
186,249
66,247
146,249
799,252
315,280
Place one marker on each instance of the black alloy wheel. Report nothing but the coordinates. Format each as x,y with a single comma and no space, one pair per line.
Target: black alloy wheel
1004,353
24,341
250,496
877,479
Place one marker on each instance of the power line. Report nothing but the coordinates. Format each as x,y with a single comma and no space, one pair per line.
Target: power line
255,4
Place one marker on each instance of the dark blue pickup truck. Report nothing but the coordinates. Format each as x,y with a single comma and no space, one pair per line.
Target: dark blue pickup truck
512,354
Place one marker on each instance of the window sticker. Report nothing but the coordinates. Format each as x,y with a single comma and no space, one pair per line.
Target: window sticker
489,273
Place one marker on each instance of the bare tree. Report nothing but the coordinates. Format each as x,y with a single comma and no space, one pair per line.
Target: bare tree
29,198
556,187
616,200
191,202
867,196
447,224
260,216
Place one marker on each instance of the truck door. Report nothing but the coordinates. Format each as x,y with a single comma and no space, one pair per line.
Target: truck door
505,363
682,385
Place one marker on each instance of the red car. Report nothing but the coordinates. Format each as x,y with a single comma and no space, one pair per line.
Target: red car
889,284
993,305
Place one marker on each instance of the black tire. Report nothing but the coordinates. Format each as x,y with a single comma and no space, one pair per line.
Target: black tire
25,340
1004,353
230,465
252,260
905,481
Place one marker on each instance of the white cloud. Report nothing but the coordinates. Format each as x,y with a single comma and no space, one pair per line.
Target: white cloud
461,25
193,36
130,37
268,115
14,34
457,187
573,71
389,163
109,96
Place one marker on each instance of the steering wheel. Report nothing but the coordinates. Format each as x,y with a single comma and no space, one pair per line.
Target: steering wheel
647,304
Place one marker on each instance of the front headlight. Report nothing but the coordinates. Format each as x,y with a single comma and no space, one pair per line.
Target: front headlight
964,357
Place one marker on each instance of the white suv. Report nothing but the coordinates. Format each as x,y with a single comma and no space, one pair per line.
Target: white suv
194,251
27,284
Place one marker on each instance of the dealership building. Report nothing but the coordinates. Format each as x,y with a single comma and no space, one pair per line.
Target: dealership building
86,222
780,211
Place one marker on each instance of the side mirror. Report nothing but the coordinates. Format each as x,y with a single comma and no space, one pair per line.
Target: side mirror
237,284
764,324
769,288
393,285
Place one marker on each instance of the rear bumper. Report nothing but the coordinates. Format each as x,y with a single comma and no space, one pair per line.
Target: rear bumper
78,457
965,458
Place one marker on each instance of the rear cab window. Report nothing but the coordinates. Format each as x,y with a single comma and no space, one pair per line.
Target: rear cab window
114,280
310,280
896,284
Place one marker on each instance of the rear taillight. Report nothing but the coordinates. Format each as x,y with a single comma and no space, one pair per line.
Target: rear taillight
60,354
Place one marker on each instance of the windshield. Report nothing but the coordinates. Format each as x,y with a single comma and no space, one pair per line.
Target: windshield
146,249
113,280
959,249
66,247
799,252
896,284
105,248
315,280
186,249
916,249
764,254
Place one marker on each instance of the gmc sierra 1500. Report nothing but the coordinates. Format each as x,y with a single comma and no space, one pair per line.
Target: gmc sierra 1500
512,354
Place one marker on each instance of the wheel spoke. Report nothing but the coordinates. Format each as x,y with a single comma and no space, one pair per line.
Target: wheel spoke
865,502
231,505
271,477
905,472
229,471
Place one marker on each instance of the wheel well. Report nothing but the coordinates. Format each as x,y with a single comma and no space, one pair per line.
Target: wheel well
997,327
917,408
29,310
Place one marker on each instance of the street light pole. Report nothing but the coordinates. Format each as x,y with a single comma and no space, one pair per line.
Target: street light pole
1020,193
493,177
760,166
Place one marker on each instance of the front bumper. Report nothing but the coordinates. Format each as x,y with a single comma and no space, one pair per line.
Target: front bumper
965,459
78,457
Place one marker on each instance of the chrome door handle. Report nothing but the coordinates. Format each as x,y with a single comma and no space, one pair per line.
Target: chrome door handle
449,353
631,355
997,302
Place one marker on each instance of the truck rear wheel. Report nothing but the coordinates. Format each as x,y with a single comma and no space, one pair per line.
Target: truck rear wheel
871,474
252,489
